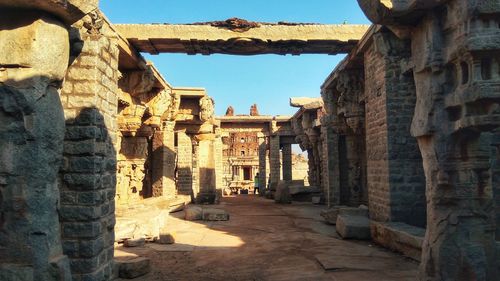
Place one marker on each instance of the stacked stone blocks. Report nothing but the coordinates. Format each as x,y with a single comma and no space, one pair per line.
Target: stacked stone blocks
87,211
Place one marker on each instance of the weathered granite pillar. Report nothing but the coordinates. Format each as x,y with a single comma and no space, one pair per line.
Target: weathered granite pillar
163,161
457,90
184,164
330,152
262,164
274,159
206,167
218,150
287,161
90,95
396,182
34,56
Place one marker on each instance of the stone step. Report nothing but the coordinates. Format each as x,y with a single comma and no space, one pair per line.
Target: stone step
399,237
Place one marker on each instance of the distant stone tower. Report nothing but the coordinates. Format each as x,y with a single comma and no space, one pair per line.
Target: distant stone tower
230,111
254,111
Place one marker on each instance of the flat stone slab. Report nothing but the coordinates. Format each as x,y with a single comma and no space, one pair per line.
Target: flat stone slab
133,268
353,227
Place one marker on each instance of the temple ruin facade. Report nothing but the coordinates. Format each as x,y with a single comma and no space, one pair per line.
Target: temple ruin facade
406,126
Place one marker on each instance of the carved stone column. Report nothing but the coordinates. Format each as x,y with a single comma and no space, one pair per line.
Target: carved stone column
330,162
274,159
457,89
287,161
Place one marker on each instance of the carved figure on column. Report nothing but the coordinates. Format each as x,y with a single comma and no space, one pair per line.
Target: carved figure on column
173,109
206,108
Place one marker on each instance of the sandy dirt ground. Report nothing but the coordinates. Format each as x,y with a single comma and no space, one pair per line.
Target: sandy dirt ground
266,241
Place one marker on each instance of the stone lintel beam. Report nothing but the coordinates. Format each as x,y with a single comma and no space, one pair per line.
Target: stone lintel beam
306,103
260,38
68,11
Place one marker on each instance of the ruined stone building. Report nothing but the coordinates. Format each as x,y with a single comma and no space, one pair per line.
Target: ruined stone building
407,125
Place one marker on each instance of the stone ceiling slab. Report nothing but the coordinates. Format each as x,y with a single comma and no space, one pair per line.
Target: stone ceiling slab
240,37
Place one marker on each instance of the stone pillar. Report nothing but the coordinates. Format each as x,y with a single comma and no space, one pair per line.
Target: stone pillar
287,162
195,171
163,162
206,167
35,47
452,53
394,166
219,169
184,164
274,159
89,175
262,165
330,152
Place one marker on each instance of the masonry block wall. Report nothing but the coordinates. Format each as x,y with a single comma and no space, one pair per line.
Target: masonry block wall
396,181
184,164
163,161
274,161
89,98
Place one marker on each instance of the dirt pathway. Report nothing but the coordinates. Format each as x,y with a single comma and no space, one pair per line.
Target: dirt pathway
266,241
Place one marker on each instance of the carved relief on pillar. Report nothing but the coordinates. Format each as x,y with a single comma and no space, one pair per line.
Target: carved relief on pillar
207,107
138,82
173,108
157,107
131,113
350,103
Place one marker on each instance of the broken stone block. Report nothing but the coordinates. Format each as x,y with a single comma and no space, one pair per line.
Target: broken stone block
215,215
133,268
140,242
353,227
193,213
282,195
166,238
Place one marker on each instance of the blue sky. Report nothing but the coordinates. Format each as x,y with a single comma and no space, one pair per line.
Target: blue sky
241,81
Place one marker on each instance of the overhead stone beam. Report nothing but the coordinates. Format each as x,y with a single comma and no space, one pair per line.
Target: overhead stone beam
306,103
240,37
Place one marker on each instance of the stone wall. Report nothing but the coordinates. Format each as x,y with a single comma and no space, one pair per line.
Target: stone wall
396,183
89,97
184,164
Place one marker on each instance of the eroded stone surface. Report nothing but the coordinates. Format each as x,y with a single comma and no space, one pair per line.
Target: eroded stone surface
34,56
